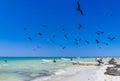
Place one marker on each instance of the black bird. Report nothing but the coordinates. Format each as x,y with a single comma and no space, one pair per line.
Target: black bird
53,36
87,41
39,33
76,43
52,41
63,47
25,28
79,9
79,26
99,32
111,38
44,25
63,29
65,36
30,38
38,46
105,43
76,39
97,41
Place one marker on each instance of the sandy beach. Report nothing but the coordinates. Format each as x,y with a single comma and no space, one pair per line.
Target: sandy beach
81,73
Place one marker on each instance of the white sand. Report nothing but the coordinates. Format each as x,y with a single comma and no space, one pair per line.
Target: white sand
81,73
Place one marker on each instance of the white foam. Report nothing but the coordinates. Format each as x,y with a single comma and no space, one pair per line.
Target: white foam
43,78
65,59
44,60
59,72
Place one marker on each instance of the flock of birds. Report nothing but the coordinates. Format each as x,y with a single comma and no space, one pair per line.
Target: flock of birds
76,40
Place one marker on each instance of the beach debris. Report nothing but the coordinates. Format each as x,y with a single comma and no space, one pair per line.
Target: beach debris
79,9
112,61
114,71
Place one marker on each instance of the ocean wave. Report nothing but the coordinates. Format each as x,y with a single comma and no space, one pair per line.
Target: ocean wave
65,59
44,60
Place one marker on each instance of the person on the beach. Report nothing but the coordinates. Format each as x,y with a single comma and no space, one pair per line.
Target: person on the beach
99,60
54,61
5,61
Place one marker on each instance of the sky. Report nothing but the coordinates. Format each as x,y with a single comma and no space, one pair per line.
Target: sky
49,17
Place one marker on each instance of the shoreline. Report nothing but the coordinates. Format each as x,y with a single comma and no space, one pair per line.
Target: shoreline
74,73
81,73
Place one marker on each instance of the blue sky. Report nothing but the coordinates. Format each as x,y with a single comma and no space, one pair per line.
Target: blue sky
15,15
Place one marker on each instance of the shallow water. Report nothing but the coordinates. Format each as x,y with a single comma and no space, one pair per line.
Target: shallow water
27,69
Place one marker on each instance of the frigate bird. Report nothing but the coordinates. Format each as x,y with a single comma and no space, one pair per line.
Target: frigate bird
76,43
97,41
30,38
111,38
99,32
25,28
79,26
39,33
63,29
63,47
44,25
53,36
38,46
65,36
52,41
87,41
79,9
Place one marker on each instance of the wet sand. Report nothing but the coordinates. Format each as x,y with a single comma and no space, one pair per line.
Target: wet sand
81,73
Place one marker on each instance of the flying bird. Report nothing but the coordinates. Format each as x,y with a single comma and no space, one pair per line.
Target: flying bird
52,41
105,43
111,38
38,46
87,41
76,39
53,36
79,9
63,29
44,25
76,43
25,28
97,41
30,38
65,36
79,26
63,47
39,33
99,32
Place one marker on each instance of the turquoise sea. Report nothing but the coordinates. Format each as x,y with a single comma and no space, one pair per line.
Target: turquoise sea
29,68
